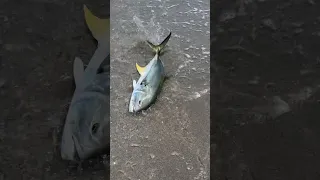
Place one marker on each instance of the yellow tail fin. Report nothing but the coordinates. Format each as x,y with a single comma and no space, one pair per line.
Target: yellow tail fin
100,28
157,48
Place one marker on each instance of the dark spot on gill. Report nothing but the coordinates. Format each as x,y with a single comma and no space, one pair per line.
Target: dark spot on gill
143,83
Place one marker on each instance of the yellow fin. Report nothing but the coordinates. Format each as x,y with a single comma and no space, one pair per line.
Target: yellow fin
140,69
100,28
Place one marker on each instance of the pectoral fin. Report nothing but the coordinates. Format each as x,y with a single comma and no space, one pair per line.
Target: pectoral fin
78,70
134,82
140,69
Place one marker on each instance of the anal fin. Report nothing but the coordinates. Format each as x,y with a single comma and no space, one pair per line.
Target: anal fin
134,82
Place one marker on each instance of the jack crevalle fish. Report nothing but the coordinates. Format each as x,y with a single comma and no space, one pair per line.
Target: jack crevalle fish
87,127
147,87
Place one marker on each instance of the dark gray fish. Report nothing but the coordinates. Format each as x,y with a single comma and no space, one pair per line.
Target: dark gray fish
87,127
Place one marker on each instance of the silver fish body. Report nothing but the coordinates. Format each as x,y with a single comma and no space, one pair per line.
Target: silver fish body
146,89
87,128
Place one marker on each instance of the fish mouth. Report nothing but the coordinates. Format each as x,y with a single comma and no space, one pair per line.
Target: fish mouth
73,148
131,109
69,151
136,110
75,153
83,151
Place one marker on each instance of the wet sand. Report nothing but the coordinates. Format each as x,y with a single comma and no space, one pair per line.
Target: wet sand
170,140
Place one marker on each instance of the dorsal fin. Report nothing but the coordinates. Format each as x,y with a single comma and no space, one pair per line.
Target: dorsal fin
100,28
134,82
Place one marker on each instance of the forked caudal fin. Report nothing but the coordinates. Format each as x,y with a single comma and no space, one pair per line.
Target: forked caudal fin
158,48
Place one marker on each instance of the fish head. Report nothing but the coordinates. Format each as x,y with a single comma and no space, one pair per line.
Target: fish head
140,99
87,133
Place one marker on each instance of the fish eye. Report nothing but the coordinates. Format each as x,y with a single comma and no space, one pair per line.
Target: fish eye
143,83
94,128
140,102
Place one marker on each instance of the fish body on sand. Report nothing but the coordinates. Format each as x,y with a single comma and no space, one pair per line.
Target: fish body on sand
87,126
152,76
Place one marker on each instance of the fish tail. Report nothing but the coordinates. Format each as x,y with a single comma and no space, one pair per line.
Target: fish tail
100,28
158,48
